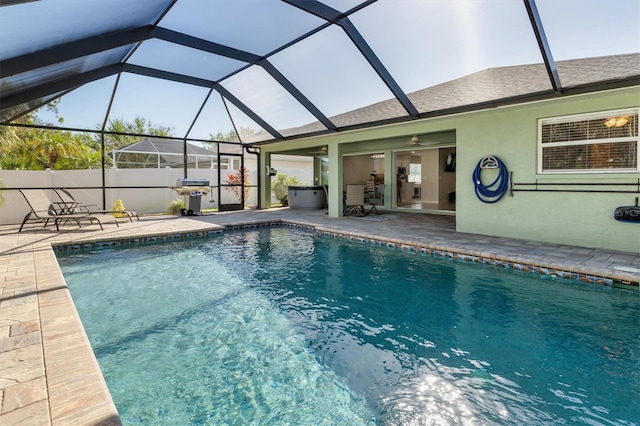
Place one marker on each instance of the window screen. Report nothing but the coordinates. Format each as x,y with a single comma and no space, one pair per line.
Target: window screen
596,142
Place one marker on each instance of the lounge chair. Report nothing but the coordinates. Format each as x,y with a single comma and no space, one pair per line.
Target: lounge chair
68,204
354,201
376,199
42,210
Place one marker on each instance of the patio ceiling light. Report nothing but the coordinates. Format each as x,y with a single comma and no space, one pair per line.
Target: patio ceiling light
616,121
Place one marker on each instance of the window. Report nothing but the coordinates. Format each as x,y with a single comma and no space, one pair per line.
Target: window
589,143
415,173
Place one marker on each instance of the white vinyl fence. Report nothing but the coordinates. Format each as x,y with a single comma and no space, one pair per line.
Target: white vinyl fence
143,201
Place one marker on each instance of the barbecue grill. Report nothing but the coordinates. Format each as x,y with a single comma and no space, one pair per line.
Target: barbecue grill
192,190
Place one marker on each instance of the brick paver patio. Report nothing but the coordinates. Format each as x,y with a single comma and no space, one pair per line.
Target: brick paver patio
48,373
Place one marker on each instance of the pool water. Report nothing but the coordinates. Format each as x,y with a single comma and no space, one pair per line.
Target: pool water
281,326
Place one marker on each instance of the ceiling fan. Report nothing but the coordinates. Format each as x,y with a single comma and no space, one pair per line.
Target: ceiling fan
322,151
415,141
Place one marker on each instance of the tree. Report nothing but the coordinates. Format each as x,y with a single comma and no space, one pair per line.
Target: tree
230,136
8,141
139,126
247,134
52,149
221,136
27,148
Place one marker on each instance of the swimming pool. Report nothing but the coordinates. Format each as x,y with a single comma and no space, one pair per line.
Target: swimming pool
281,326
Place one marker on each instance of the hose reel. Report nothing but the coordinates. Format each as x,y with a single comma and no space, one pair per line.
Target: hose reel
493,192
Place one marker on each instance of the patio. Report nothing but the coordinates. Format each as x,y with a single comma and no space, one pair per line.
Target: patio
49,374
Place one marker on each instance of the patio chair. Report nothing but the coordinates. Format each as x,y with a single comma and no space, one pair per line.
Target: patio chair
354,201
68,204
369,189
377,199
42,210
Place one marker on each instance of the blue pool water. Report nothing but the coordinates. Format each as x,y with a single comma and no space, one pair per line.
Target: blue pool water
280,326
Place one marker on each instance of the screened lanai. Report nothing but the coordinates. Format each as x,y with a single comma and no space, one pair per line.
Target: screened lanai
152,152
258,72
355,86
267,70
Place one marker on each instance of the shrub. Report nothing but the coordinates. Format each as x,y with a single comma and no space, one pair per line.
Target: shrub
236,178
176,206
280,187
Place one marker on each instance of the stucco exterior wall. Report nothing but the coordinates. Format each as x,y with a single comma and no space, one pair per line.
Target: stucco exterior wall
584,219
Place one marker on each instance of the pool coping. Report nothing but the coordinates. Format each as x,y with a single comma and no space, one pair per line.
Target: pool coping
75,391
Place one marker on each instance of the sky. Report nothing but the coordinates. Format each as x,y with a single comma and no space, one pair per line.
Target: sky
420,42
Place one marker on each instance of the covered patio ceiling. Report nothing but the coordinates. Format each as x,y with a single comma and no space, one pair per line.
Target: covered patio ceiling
272,70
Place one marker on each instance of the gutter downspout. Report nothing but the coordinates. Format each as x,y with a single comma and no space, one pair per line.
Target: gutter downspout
256,152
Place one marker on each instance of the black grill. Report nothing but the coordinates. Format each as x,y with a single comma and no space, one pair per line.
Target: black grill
192,190
191,182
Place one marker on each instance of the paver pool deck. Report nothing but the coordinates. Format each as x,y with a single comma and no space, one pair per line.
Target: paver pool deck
48,373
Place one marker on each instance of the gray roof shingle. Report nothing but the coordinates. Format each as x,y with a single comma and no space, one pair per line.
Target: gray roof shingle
495,84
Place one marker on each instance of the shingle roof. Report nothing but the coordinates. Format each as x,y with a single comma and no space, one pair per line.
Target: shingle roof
493,84
500,83
164,146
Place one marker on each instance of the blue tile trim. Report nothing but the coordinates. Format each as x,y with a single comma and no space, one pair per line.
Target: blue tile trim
64,248
417,248
504,263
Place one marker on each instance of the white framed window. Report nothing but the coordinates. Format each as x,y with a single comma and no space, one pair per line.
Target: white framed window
415,173
588,143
